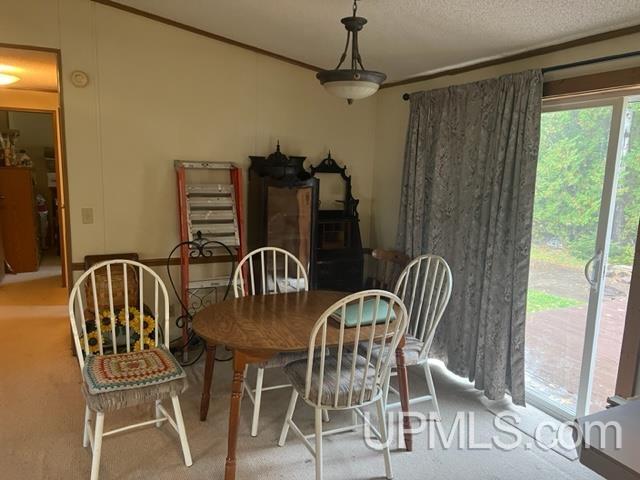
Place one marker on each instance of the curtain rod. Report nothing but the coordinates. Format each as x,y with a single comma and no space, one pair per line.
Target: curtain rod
555,68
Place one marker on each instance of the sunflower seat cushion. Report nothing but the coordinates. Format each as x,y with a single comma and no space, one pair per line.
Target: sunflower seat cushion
122,380
141,334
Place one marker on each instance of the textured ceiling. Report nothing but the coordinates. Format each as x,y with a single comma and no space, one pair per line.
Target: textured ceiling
37,70
403,38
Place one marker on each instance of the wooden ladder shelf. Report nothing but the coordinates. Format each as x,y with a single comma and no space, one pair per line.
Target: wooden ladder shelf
211,211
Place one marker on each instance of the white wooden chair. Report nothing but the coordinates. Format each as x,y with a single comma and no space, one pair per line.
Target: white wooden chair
341,378
425,288
264,271
118,336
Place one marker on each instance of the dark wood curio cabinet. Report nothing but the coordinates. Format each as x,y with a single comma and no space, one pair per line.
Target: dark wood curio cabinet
283,207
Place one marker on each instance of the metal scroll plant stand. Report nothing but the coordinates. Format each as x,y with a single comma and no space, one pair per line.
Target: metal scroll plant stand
199,247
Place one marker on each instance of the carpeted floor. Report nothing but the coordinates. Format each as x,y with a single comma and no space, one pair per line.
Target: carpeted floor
50,266
41,421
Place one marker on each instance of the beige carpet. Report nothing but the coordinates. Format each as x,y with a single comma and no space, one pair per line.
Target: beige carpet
50,266
41,411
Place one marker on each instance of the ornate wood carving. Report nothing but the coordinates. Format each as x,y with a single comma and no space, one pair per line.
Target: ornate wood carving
340,257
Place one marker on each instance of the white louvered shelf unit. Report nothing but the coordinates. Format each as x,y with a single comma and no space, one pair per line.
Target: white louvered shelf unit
215,211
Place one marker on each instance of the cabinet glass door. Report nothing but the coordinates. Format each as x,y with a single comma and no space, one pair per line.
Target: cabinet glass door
289,220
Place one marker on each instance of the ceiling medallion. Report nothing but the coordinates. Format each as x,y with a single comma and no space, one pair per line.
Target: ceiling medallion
356,82
79,78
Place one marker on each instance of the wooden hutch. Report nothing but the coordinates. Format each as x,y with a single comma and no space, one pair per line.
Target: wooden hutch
283,211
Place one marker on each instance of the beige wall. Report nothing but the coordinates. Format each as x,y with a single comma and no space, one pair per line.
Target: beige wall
35,128
157,93
393,113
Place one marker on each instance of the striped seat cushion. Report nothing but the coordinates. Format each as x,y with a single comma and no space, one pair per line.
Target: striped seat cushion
412,348
282,359
297,374
124,371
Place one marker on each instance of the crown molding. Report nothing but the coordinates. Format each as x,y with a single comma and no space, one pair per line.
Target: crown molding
205,33
599,37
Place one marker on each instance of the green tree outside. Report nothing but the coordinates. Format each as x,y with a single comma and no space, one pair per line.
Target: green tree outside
570,176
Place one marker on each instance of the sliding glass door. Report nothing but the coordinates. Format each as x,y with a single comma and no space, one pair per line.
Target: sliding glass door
586,211
619,261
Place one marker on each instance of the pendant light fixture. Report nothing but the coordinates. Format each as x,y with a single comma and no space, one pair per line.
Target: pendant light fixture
351,83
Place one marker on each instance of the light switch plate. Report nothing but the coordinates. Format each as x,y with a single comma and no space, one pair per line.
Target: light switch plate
87,216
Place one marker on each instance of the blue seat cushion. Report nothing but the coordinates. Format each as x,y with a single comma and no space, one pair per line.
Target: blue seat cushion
369,317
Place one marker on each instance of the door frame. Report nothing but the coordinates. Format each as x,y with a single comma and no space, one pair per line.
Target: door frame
61,161
603,242
618,102
628,382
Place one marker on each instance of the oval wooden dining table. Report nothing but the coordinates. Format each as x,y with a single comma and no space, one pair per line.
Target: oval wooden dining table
258,327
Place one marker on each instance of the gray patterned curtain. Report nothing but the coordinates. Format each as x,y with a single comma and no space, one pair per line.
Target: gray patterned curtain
467,195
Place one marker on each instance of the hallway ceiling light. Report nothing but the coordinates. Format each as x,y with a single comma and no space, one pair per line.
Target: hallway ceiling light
356,82
6,79
4,68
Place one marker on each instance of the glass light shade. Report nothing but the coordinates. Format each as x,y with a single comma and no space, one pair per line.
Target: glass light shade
351,89
351,84
6,79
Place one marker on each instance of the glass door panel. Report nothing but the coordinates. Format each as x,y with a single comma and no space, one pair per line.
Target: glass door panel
626,213
569,185
289,220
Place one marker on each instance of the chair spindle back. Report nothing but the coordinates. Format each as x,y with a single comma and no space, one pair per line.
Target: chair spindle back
102,326
384,333
269,270
425,288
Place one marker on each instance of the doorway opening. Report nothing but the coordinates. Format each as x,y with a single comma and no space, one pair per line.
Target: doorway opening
34,240
586,211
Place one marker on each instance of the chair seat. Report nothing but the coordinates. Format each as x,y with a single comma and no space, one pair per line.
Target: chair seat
297,374
112,382
412,348
282,359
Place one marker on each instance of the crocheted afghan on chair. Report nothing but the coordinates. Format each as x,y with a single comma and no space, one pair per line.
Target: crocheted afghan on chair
123,371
